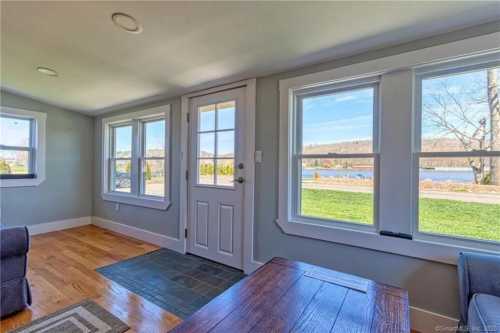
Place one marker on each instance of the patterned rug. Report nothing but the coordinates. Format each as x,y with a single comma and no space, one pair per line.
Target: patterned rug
178,283
84,317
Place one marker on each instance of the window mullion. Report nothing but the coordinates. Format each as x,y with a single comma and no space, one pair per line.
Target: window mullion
395,160
136,151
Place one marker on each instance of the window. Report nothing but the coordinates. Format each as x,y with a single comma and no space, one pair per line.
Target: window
136,158
398,154
153,158
458,154
334,159
22,140
216,136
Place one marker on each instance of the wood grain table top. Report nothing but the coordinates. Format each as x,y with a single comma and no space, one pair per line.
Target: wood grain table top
285,296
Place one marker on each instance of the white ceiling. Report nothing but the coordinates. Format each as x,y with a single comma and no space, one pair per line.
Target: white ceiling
188,45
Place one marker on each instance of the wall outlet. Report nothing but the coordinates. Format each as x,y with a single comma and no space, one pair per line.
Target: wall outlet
117,206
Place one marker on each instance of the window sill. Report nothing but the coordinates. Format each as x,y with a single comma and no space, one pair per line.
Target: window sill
24,182
439,249
137,201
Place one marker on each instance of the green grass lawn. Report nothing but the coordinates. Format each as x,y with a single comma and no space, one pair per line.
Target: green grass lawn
465,219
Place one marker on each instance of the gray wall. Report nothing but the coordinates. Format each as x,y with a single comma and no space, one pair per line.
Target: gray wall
73,185
165,222
67,190
432,286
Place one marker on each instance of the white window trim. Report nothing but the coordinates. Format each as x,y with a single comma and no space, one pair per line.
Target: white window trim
40,142
396,72
133,199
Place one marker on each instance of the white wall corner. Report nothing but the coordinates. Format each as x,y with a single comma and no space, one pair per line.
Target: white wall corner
42,228
424,321
168,242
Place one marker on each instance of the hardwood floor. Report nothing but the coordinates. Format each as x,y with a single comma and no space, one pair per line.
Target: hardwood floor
290,296
62,272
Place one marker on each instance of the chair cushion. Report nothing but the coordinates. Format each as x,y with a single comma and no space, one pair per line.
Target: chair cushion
484,314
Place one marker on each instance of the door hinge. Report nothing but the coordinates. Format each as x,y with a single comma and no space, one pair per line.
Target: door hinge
187,175
185,233
187,117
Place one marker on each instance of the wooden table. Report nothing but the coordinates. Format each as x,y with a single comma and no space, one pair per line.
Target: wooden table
284,296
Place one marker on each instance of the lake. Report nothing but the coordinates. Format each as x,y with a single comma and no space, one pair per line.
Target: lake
458,176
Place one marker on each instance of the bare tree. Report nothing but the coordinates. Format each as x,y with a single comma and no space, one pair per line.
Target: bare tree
461,112
494,105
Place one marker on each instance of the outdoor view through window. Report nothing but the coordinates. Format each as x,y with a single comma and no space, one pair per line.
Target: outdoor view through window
340,122
15,149
151,153
459,192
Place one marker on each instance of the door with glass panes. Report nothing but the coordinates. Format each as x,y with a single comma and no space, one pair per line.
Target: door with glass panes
217,176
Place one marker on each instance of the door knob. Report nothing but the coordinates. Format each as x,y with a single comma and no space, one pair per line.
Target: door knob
240,180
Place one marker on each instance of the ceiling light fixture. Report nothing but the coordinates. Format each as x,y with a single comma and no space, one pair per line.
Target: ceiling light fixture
126,22
47,71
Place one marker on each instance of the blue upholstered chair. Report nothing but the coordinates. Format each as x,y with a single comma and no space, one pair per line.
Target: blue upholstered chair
479,284
15,293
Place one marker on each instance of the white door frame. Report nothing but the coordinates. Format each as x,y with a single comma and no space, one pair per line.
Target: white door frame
249,264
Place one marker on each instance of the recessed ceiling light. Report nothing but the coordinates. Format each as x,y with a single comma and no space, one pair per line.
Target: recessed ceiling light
47,71
126,22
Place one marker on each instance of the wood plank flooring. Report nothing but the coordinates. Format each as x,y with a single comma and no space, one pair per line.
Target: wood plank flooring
62,272
291,296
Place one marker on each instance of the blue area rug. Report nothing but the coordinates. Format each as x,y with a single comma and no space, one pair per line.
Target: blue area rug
180,284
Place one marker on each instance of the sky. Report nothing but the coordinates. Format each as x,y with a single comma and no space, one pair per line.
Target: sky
348,116
465,90
338,117
14,132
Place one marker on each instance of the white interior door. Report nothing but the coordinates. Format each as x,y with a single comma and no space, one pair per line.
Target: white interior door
217,176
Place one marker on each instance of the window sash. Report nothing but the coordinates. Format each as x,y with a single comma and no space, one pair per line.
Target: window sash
297,193
31,149
112,138
111,168
297,154
434,71
138,156
142,163
300,95
142,159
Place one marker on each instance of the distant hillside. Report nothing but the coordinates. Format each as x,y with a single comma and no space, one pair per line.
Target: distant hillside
364,146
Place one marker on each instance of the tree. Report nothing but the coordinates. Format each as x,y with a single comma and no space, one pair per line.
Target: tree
148,175
471,114
494,105
4,168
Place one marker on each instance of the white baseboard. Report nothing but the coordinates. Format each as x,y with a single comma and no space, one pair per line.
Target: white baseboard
42,228
425,321
141,234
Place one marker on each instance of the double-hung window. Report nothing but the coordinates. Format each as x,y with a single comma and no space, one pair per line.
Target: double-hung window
135,158
399,154
22,147
334,158
457,152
